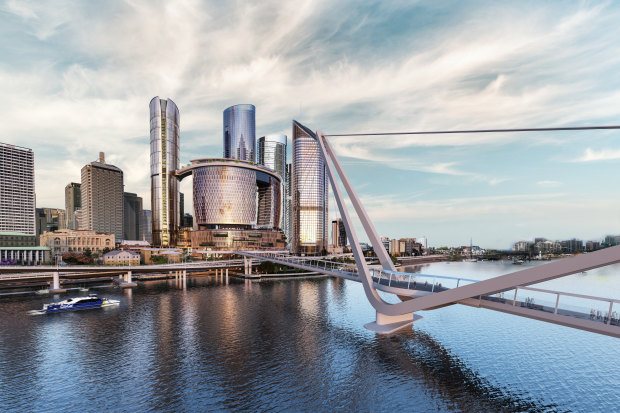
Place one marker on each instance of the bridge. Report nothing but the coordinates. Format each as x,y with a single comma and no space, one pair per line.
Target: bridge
499,293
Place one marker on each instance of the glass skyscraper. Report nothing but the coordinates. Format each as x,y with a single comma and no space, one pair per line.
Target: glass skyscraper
240,132
310,197
164,162
272,154
17,200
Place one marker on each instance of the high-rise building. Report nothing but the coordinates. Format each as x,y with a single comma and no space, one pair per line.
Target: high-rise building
132,205
188,221
102,198
164,162
17,198
288,207
310,193
49,219
181,208
145,233
272,154
339,233
240,132
73,202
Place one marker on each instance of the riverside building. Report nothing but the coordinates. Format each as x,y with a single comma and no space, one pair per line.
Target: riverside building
310,197
17,198
102,198
237,205
66,240
164,128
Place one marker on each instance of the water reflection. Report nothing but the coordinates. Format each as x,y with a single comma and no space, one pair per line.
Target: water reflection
281,345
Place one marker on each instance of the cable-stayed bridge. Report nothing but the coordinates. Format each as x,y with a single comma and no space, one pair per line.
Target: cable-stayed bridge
499,293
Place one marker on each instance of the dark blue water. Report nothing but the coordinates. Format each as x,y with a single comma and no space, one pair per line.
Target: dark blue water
295,346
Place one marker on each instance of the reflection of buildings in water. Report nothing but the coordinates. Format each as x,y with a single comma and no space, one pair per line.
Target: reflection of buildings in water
128,294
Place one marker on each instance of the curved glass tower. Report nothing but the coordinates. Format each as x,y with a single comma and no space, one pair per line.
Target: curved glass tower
240,132
164,162
310,198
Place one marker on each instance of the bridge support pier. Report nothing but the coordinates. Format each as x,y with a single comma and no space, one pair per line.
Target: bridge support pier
128,282
387,324
56,284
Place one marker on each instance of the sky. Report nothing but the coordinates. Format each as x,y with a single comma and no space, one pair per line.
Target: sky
76,78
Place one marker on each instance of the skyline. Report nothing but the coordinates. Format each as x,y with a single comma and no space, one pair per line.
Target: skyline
74,88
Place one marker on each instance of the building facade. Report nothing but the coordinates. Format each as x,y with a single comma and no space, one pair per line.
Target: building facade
272,154
102,198
339,233
121,257
17,197
73,202
164,128
132,206
233,197
310,194
49,219
66,240
145,226
240,132
288,207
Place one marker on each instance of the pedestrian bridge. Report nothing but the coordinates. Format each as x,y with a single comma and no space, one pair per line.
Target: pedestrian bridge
595,314
512,293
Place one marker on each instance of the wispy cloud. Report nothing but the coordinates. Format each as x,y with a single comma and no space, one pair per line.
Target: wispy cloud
591,155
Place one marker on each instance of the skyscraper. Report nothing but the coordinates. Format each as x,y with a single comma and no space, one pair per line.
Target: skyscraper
310,197
339,233
272,154
145,226
73,202
288,207
240,132
132,206
17,200
164,162
102,198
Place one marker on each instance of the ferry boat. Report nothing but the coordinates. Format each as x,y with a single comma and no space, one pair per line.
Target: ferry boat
79,303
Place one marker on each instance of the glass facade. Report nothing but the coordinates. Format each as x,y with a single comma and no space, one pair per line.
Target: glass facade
310,196
240,132
272,154
73,202
164,127
234,194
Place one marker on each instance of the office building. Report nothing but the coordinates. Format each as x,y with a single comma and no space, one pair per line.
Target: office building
49,219
240,132
145,233
272,154
17,198
132,205
102,198
310,193
288,207
339,233
165,200
73,202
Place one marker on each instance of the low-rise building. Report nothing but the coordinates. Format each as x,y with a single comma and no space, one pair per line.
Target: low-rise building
134,245
121,257
172,255
20,248
67,240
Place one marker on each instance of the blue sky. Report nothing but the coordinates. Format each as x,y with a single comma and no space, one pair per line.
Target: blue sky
76,78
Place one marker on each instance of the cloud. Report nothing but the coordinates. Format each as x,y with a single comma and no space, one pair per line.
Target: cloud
591,155
81,76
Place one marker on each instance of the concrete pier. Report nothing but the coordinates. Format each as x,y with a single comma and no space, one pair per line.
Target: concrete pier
56,284
127,281
386,324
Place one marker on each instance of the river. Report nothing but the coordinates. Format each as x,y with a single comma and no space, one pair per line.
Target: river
300,345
